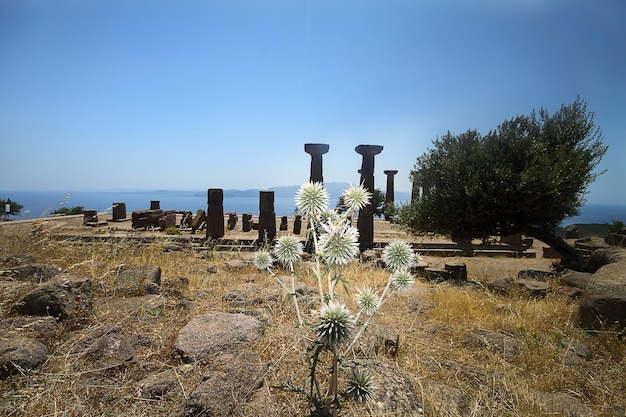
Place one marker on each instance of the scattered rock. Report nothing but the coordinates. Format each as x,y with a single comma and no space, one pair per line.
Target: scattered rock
534,288
211,269
32,272
40,328
500,285
230,380
172,247
216,332
106,348
604,299
131,281
21,353
557,403
65,297
158,385
234,264
605,256
503,344
576,279
394,394
535,275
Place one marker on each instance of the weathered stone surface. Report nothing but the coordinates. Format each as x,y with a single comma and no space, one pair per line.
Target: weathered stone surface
31,272
503,344
500,285
605,256
557,403
40,328
132,280
534,288
158,385
216,332
394,394
234,264
604,299
20,353
172,247
576,279
65,297
107,348
230,380
535,275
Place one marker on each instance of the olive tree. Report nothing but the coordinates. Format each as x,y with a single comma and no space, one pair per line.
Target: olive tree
527,175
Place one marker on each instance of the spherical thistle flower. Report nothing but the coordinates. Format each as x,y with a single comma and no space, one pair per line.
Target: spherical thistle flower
360,387
356,197
402,280
288,249
335,325
419,258
312,199
398,256
338,243
263,260
328,216
367,300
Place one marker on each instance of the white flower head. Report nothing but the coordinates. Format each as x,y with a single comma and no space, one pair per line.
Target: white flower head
338,243
263,260
398,256
367,300
402,280
355,198
335,325
288,249
329,216
312,199
419,258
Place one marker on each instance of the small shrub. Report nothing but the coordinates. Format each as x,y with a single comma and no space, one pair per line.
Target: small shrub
172,230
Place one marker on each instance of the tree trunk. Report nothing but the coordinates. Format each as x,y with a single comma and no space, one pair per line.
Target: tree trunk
571,258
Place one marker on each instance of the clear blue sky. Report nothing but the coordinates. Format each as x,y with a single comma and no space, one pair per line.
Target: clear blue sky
224,94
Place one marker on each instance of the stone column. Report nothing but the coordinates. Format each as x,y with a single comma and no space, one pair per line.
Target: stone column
119,211
215,214
316,150
365,223
267,216
390,193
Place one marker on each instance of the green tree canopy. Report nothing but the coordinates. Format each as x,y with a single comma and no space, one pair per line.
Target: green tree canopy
527,175
377,200
15,207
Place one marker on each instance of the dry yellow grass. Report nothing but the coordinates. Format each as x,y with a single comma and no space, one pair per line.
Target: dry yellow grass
431,319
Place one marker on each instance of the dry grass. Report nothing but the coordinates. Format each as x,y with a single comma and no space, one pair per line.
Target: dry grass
432,321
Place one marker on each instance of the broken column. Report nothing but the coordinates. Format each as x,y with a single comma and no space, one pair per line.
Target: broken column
316,150
119,211
267,216
389,194
215,214
246,220
365,223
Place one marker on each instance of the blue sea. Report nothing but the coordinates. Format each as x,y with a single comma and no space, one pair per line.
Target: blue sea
43,203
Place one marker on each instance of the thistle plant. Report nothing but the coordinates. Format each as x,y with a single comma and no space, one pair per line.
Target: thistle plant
335,329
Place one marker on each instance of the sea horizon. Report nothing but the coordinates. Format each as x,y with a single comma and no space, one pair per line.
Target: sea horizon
40,204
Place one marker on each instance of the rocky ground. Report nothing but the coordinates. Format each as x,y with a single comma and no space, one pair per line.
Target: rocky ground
138,329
